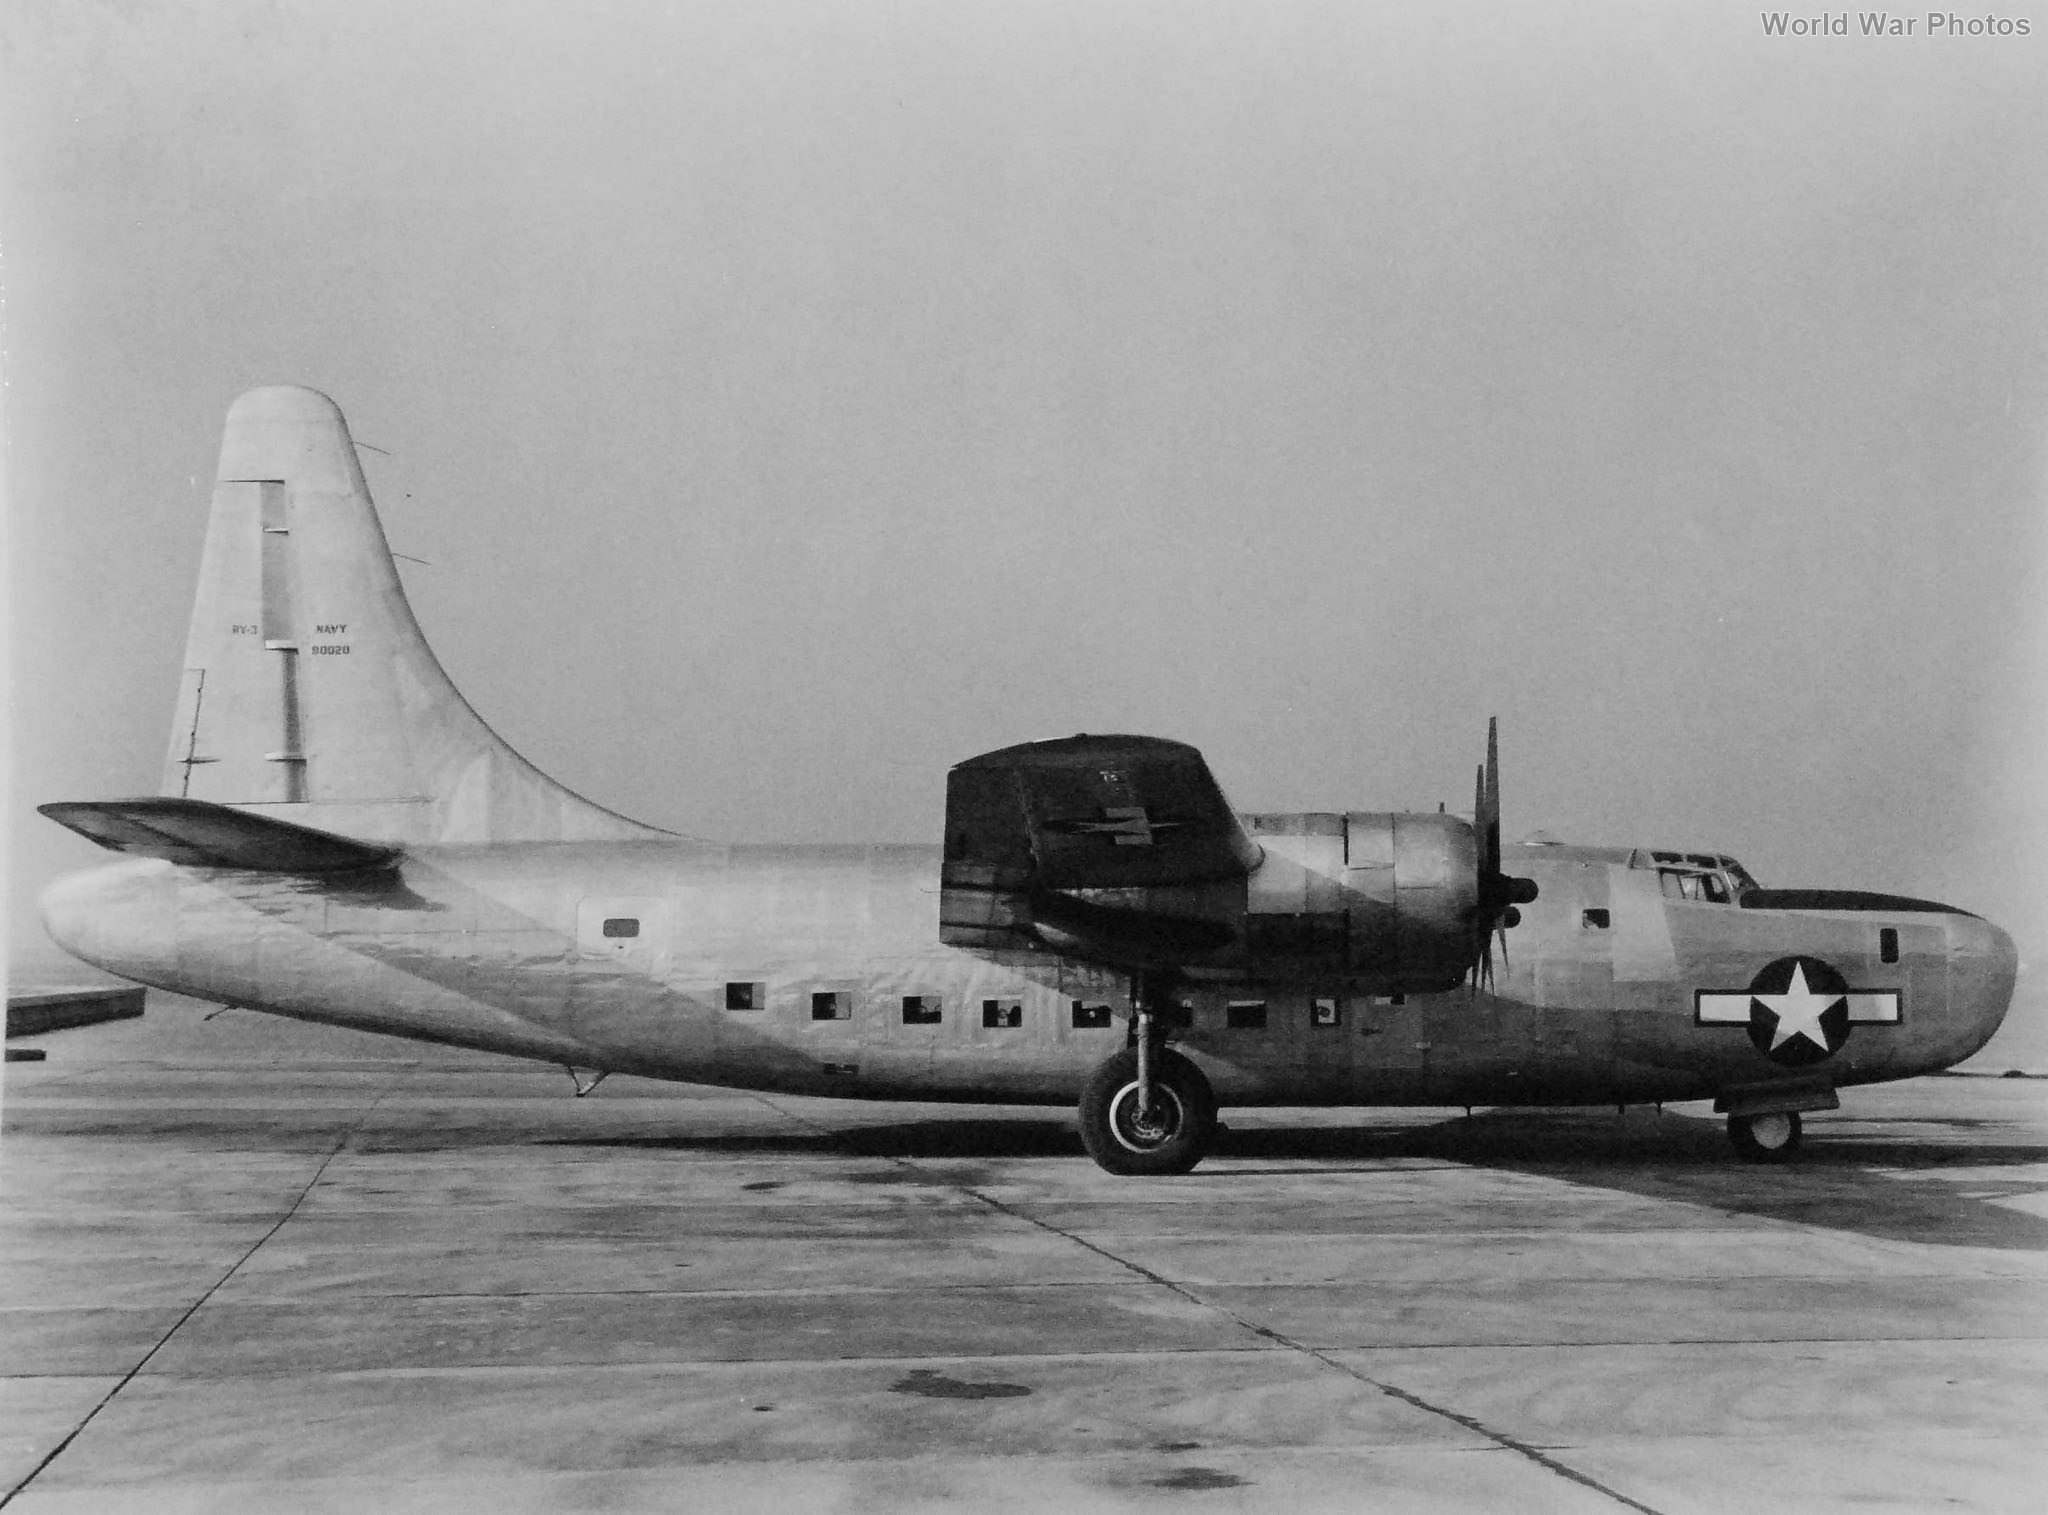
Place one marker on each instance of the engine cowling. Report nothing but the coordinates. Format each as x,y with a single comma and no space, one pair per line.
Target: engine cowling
1387,901
1412,889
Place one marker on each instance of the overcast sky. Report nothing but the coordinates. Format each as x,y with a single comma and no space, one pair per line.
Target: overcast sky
790,400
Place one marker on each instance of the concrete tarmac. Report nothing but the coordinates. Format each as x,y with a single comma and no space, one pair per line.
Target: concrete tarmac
252,1265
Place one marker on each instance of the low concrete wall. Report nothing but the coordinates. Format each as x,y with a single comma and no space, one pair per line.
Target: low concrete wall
36,1011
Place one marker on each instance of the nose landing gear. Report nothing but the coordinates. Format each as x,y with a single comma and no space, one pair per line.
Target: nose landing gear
1771,1137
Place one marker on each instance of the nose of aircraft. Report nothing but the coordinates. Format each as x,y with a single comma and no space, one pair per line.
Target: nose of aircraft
1982,967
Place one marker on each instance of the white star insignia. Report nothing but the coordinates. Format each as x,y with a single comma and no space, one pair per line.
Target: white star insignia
1798,1011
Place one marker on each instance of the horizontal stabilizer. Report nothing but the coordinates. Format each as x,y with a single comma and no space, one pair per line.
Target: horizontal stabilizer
202,835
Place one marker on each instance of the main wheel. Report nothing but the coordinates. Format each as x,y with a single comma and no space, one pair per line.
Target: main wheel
1171,1137
1767,1138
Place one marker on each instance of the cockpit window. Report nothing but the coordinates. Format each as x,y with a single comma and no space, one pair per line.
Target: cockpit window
1692,883
1711,878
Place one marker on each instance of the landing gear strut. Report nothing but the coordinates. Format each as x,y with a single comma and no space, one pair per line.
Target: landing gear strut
1771,1137
1147,1110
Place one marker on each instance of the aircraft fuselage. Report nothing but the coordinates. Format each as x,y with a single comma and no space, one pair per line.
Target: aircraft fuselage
819,970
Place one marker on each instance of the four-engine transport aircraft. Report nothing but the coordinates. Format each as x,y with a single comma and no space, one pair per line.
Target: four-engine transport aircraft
340,838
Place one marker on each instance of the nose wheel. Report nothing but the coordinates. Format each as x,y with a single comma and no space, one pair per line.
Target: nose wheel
1128,1134
1771,1137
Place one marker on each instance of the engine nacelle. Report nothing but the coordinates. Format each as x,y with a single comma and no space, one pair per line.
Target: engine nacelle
1412,887
1121,850
1386,901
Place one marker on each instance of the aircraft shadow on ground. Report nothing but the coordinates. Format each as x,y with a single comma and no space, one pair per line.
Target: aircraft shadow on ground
1902,1180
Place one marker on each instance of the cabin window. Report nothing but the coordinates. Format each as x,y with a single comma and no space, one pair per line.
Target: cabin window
746,996
621,925
1002,1013
1713,888
1888,945
1594,920
1089,1017
831,1005
921,1010
1245,1015
1325,1011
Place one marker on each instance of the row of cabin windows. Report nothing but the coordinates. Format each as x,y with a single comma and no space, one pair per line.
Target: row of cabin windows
996,1014
918,1009
1324,1010
1002,1014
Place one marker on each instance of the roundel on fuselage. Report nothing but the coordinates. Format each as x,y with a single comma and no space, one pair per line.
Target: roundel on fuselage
1798,1010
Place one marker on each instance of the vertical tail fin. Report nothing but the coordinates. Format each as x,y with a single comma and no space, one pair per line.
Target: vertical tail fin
309,691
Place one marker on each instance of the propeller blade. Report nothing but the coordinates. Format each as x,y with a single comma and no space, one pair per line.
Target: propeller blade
1499,894
1490,799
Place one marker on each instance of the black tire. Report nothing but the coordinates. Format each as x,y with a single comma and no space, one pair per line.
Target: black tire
1768,1138
1179,1135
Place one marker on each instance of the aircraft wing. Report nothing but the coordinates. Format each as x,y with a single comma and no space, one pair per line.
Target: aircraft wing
198,834
1094,812
1035,835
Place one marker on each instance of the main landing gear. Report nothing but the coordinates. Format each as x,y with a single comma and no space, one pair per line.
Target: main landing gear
1771,1137
1147,1110
1170,1133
